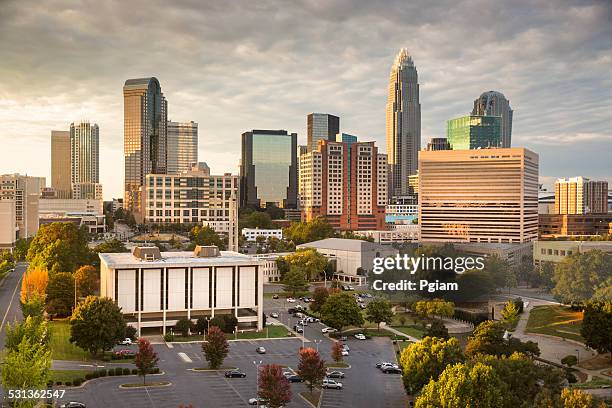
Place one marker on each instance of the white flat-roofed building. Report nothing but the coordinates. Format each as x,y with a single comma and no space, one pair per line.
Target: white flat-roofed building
407,233
270,268
251,234
156,289
62,206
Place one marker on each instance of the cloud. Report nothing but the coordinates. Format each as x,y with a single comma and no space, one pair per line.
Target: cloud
240,65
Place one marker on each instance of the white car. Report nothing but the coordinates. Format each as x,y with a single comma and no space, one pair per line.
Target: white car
254,401
360,336
290,300
126,342
329,383
345,347
387,365
274,315
328,330
345,352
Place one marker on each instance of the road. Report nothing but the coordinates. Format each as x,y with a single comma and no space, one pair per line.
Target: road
9,299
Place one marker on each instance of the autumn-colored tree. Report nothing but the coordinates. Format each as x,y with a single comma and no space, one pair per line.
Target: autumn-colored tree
34,281
87,281
274,387
311,368
215,347
435,307
336,352
59,247
146,359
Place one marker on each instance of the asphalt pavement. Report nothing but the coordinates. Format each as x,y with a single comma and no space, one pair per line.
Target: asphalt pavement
9,299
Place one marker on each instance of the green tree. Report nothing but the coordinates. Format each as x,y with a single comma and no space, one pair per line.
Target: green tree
59,246
499,270
546,271
97,324
425,361
87,281
319,297
341,310
205,235
21,248
604,292
301,232
274,387
597,326
60,294
146,359
378,311
569,360
311,368
34,306
111,246
488,338
26,368
183,326
294,280
215,347
435,307
461,386
437,329
578,275
33,329
309,261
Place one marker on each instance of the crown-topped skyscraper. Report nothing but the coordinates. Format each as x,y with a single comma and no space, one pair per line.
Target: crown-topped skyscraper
403,123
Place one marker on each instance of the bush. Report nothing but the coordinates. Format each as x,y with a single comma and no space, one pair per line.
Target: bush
102,373
89,376
130,332
68,383
134,371
111,372
155,370
569,360
77,382
118,371
571,378
126,371
168,337
58,383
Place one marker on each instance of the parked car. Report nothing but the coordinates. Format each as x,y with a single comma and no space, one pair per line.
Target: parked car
295,378
235,374
275,296
328,330
125,353
381,364
343,338
391,370
303,322
290,300
334,374
298,329
329,383
350,287
255,401
344,287
345,347
126,342
360,336
73,404
261,350
345,352
274,315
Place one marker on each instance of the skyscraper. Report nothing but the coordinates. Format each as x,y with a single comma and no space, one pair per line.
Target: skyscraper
474,132
321,126
403,123
85,161
182,146
145,115
61,163
268,169
346,138
579,195
438,143
494,103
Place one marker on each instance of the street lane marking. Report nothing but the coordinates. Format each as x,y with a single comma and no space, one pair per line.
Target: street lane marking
185,357
9,305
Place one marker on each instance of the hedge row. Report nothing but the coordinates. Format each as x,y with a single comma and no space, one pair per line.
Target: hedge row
111,372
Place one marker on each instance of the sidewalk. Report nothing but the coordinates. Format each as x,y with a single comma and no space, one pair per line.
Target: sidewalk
384,326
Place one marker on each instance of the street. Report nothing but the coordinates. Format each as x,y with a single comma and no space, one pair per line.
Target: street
9,298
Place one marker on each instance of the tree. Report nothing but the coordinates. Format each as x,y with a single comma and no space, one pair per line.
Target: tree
145,359
311,368
300,232
578,275
569,360
499,270
461,386
437,329
21,248
87,281
205,235
319,297
97,324
183,326
215,347
34,306
577,399
309,261
31,328
274,387
60,294
488,338
341,310
425,361
510,313
219,321
597,326
294,280
378,311
59,246
604,292
201,325
111,246
336,351
34,281
435,307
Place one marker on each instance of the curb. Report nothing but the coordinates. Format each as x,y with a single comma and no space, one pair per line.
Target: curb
167,384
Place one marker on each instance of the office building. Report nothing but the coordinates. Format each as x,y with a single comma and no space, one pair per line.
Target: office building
85,160
8,225
405,233
321,126
480,196
25,192
564,225
182,146
474,132
401,213
192,197
403,123
346,138
94,223
270,272
251,234
60,206
494,103
156,289
557,251
269,169
61,179
145,116
579,195
345,183
438,143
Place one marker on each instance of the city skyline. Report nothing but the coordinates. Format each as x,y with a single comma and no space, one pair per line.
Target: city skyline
558,81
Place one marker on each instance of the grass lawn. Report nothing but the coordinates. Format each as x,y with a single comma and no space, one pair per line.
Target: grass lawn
61,348
411,331
555,320
401,345
596,382
67,375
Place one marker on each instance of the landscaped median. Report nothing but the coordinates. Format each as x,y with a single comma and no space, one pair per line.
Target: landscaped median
70,378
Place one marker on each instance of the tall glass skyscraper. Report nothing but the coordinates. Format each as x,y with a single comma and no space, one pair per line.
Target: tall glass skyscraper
182,146
145,136
321,126
494,103
474,132
85,160
268,169
403,123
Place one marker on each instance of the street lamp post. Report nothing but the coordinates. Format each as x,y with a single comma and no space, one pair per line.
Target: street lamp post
256,364
317,342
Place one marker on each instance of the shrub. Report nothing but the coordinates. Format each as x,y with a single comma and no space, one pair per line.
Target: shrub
77,382
134,371
155,370
168,337
118,371
126,371
102,373
89,376
68,383
58,383
111,372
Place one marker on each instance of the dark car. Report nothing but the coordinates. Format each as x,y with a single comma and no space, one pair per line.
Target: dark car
295,378
335,374
234,374
391,370
73,404
125,353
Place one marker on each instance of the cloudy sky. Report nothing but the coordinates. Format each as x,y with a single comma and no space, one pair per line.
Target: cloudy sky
233,66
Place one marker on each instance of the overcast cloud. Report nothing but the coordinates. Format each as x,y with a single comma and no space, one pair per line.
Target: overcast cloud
233,66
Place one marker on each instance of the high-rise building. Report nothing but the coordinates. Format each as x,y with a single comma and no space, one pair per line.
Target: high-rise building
579,195
438,143
346,183
494,103
487,196
182,146
268,169
24,192
61,180
8,224
403,123
321,126
346,138
85,161
145,115
474,132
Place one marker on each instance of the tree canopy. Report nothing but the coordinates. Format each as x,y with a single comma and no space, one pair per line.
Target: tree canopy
60,294
205,235
274,387
577,276
597,326
378,311
111,246
301,232
215,347
59,247
309,261
97,324
311,368
341,310
295,280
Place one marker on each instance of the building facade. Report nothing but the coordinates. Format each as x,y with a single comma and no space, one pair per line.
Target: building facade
251,234
182,146
438,143
557,251
269,169
403,123
59,206
579,195
494,103
8,225
155,290
269,266
401,213
346,184
61,179
321,126
346,138
474,132
85,161
145,115
192,197
563,225
25,192
486,195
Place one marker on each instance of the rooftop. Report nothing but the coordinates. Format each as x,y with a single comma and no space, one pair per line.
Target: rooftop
127,260
341,244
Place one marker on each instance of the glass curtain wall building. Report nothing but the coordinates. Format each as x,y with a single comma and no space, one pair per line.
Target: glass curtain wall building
321,126
474,132
182,146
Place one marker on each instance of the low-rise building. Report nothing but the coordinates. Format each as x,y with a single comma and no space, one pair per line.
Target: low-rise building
63,206
95,223
251,234
567,225
556,251
270,269
403,233
155,289
401,213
